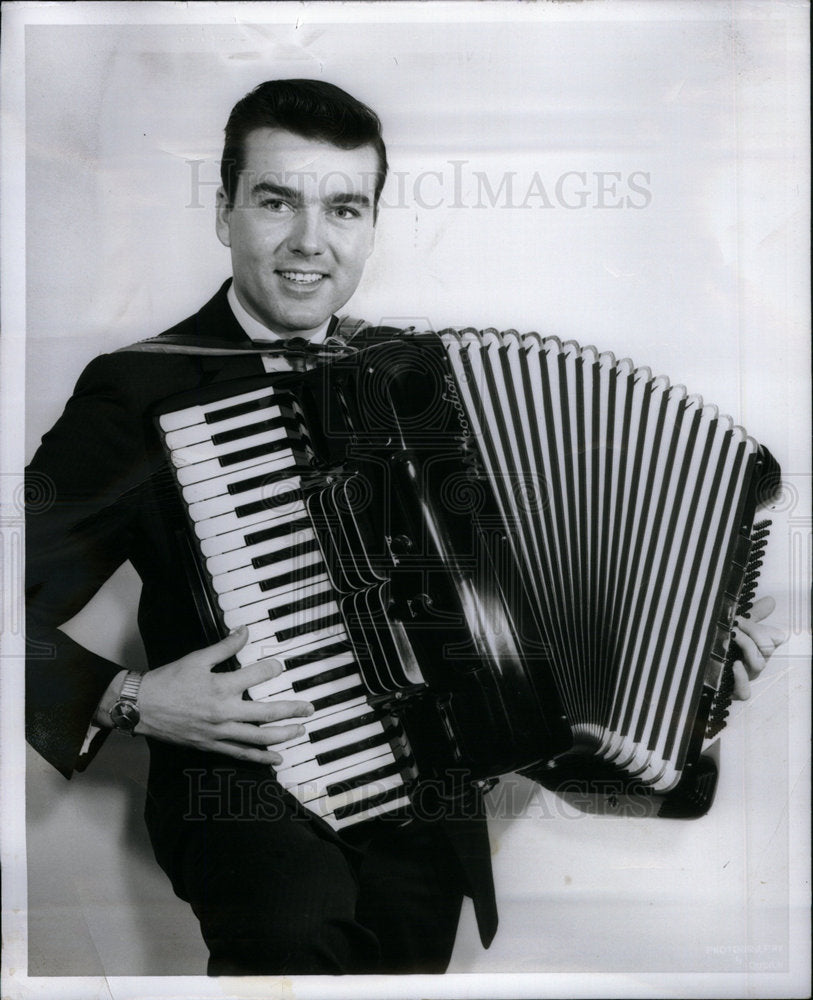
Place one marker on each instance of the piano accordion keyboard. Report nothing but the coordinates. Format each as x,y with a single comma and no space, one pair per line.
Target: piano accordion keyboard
239,464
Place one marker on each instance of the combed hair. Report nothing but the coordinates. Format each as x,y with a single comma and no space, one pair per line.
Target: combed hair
312,109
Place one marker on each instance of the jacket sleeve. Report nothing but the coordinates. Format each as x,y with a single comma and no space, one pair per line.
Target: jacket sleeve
82,486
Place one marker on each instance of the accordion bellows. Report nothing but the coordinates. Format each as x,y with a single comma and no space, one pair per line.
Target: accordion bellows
632,502
504,551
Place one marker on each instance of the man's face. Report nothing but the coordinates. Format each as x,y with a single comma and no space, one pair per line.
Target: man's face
300,230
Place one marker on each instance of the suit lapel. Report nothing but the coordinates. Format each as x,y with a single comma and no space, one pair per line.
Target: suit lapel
215,322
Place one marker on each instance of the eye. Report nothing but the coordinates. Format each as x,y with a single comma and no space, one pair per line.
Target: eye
346,212
276,205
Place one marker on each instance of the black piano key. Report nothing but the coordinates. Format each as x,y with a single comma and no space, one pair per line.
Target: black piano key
303,604
294,576
374,800
331,756
325,733
275,531
236,433
256,451
317,654
329,700
393,767
312,626
267,503
240,409
327,677
265,479
281,554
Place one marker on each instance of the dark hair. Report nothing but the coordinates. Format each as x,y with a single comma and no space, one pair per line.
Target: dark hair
309,108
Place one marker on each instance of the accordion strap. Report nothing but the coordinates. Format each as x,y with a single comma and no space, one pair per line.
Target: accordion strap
337,344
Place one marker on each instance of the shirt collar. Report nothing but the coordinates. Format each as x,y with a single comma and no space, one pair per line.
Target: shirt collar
256,330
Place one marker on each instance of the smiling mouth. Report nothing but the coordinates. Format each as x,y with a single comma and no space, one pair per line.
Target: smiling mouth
302,277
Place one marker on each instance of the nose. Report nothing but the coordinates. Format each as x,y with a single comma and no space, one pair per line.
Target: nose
306,237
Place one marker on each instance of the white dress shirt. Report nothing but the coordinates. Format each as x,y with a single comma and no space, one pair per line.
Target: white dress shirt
256,330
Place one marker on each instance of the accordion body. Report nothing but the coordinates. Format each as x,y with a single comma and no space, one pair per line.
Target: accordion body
477,553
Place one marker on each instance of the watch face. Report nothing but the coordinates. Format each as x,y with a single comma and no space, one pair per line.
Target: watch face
125,716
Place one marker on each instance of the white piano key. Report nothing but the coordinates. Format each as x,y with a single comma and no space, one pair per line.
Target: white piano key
332,687
254,593
307,647
204,451
264,628
194,433
305,616
332,803
188,474
231,522
197,414
380,810
313,783
229,585
323,720
273,465
256,611
282,685
327,717
228,541
308,750
215,506
246,575
355,764
261,633
208,488
227,562
252,652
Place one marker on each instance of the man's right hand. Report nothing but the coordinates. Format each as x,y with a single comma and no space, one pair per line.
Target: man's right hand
184,702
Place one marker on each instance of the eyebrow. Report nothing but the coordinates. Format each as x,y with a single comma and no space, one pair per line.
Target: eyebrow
349,198
295,196
278,190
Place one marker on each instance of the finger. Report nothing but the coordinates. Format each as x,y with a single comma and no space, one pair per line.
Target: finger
751,655
742,686
258,736
282,734
221,651
255,673
762,608
263,712
765,637
241,751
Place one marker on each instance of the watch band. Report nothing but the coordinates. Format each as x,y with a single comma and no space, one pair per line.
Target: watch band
131,686
124,714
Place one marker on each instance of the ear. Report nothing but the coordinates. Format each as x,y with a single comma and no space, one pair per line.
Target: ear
223,218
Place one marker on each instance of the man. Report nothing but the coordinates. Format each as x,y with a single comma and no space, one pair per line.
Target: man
274,889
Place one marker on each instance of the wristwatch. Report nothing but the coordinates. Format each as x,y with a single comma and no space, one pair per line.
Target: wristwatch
125,714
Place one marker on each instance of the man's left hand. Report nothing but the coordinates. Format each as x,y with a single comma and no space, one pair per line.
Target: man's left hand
755,640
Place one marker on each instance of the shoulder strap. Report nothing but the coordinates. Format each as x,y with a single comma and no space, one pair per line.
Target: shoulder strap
340,340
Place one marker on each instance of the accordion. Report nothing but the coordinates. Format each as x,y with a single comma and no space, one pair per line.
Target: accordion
477,553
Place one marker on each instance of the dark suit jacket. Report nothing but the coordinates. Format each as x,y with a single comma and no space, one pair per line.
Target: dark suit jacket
104,467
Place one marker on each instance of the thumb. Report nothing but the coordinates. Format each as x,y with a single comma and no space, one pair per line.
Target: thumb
762,608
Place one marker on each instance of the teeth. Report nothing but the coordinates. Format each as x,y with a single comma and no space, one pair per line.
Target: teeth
302,279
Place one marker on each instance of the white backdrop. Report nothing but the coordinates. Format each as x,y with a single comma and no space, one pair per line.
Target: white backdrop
631,175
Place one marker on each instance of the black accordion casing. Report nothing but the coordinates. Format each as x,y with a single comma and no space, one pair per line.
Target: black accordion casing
508,526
